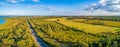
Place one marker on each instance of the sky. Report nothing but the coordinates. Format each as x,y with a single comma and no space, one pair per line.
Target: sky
60,7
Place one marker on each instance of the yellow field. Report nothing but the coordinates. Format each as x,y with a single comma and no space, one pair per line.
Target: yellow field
89,28
112,23
102,22
9,23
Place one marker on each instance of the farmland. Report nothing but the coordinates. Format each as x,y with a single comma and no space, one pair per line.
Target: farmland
89,28
55,31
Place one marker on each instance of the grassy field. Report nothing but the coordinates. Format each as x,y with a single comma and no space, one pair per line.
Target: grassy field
10,23
99,22
71,34
16,33
89,28
60,32
55,30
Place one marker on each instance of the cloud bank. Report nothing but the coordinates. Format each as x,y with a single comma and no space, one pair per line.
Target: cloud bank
106,5
15,1
18,1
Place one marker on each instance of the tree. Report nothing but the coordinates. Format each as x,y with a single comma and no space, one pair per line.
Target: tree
100,45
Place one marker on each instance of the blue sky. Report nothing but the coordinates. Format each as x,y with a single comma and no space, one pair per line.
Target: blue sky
59,7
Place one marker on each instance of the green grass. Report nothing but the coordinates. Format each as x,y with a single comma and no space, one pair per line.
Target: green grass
10,23
89,28
16,33
62,34
59,32
98,22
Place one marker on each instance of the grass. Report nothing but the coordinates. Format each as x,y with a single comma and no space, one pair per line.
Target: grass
89,28
9,23
60,34
112,23
67,32
16,33
99,22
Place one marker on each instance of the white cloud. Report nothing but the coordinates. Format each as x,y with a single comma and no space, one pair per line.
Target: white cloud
52,8
96,13
42,7
107,5
15,1
18,1
2,3
36,0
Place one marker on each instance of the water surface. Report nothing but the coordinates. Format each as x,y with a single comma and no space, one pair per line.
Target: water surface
2,21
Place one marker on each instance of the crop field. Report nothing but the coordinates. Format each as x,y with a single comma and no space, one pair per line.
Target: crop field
90,28
63,31
99,22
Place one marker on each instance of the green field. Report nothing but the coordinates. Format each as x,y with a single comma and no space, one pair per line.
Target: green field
90,28
16,33
55,31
